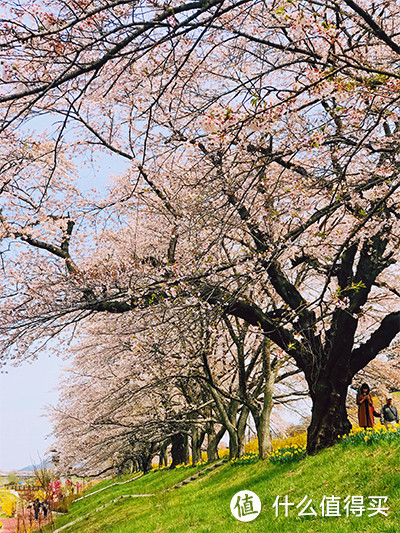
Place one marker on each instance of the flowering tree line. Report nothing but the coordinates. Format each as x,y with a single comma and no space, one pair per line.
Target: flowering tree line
133,392
258,142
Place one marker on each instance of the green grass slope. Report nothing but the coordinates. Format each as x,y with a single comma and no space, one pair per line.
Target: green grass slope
203,506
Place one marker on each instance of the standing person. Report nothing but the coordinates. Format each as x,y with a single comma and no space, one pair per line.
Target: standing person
389,413
366,409
36,508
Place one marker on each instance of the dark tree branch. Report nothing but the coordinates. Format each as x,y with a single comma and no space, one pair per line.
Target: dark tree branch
376,29
380,339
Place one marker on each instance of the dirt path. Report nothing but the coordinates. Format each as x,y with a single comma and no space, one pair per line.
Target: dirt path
10,524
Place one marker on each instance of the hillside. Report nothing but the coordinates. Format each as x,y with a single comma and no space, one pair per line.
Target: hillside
203,505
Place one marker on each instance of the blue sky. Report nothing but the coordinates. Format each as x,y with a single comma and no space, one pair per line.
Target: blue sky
24,391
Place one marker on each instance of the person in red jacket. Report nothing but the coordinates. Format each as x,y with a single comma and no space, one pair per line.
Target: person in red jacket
366,411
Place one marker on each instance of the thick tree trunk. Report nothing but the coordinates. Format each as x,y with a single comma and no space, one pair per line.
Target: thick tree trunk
233,444
147,457
212,450
163,456
264,437
241,430
329,415
213,439
147,463
263,419
197,441
178,449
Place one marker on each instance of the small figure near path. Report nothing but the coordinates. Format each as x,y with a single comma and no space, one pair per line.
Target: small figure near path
389,413
36,508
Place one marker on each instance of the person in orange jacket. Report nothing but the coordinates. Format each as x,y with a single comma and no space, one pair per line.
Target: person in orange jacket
366,410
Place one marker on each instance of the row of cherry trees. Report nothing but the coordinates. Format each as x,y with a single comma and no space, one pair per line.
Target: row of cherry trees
133,392
260,144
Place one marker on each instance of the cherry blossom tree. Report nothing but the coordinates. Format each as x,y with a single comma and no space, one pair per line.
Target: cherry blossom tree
116,405
261,145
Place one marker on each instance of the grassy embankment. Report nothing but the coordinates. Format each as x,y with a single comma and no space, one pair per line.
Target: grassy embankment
359,468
